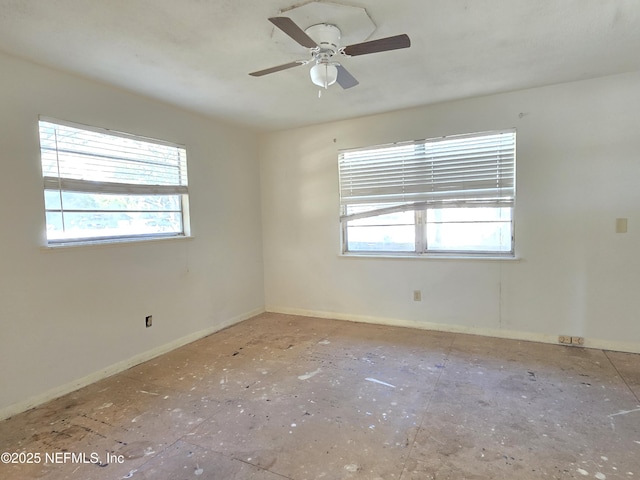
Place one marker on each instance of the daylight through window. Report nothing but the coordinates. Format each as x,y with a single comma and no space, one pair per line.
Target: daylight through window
101,185
448,196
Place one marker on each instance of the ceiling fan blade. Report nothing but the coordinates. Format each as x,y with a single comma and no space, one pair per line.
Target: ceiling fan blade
278,68
345,79
380,45
289,27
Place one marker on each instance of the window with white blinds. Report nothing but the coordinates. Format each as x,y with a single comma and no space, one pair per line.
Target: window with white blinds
101,185
445,195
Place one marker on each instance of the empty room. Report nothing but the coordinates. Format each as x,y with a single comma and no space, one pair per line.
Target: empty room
310,240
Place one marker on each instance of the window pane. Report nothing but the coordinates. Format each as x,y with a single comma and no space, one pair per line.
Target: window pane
85,225
475,214
54,224
395,218
397,238
52,199
391,232
469,229
95,215
101,201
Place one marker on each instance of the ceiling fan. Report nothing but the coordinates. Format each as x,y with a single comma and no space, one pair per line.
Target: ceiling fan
326,71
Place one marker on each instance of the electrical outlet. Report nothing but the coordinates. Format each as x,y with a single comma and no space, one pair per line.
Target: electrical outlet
148,320
417,295
577,340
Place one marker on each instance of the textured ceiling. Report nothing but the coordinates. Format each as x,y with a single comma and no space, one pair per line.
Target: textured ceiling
197,53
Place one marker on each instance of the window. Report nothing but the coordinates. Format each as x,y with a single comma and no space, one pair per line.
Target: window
445,196
103,186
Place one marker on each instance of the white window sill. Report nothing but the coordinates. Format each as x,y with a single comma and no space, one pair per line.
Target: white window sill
488,258
113,242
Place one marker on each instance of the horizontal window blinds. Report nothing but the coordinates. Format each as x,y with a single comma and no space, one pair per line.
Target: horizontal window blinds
82,160
465,169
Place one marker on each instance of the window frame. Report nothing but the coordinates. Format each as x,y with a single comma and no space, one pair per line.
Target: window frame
420,211
66,185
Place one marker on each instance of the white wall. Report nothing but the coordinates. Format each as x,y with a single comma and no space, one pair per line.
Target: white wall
69,316
578,169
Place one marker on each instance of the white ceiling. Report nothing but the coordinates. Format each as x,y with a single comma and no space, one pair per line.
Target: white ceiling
197,53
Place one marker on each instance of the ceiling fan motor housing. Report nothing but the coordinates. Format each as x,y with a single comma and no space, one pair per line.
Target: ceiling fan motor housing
326,36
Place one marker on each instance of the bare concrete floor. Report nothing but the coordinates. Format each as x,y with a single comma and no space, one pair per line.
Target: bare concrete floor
284,397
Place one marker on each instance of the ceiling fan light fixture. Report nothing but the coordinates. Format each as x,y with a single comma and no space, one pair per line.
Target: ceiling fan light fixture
324,74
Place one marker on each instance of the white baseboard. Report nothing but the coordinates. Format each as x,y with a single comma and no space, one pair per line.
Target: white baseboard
630,347
56,392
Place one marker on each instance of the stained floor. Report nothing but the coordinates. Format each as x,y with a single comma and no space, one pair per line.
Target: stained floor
284,397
